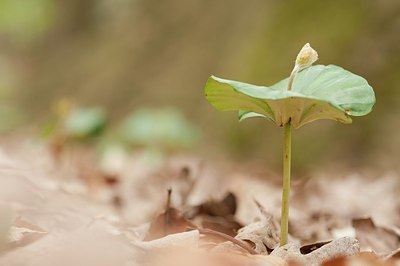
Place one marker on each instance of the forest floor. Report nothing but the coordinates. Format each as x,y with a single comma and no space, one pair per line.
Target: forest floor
123,210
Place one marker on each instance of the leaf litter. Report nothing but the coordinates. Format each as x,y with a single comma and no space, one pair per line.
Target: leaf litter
73,211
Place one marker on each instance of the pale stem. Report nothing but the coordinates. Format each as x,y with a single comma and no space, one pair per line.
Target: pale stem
287,150
292,76
286,183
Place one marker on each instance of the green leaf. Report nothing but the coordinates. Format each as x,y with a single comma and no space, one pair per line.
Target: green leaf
318,92
85,122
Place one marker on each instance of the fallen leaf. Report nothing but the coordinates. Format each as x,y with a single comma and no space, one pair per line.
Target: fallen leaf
372,237
23,233
6,218
169,222
361,259
187,256
184,239
217,215
264,234
395,255
319,252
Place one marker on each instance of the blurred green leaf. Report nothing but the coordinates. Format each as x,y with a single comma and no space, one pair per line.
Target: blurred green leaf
165,127
319,92
85,122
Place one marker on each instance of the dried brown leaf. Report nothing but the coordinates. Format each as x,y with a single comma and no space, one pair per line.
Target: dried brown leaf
320,252
372,237
186,256
217,215
264,234
361,259
23,233
188,239
169,222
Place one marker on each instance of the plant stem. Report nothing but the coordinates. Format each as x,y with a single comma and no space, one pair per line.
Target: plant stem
292,76
287,156
287,150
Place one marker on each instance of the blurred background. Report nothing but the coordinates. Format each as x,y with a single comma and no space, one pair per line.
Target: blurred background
150,60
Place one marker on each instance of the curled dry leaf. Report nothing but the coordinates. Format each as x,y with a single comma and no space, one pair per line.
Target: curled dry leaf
217,215
169,222
224,208
319,252
264,234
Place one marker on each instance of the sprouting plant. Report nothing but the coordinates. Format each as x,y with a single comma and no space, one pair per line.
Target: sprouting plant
162,128
310,93
71,124
158,131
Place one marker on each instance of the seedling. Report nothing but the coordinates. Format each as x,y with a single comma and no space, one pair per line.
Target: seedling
76,123
310,93
164,128
85,123
72,124
158,131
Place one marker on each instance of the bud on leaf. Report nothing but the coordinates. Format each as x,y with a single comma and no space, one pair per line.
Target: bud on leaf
306,57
